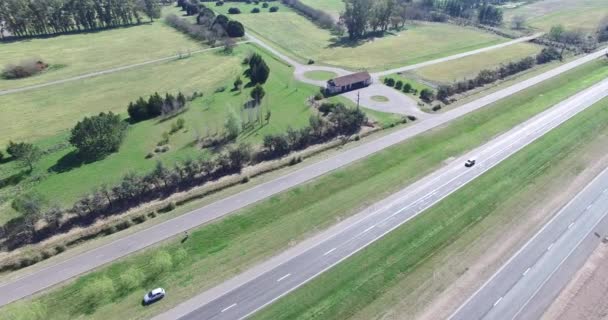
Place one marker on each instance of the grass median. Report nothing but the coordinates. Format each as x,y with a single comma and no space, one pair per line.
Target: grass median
219,250
357,282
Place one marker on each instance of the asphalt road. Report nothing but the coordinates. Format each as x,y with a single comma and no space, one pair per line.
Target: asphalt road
64,270
242,299
527,284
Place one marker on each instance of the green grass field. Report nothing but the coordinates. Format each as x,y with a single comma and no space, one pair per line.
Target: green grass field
333,7
572,14
227,247
469,67
300,38
72,55
320,75
358,281
285,98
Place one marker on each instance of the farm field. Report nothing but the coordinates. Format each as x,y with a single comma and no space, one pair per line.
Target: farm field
572,14
72,55
285,98
392,261
232,244
333,7
469,67
300,38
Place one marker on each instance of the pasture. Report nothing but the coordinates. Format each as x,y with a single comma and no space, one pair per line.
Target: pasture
572,14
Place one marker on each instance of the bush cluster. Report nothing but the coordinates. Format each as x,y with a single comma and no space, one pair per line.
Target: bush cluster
25,68
484,77
155,106
400,85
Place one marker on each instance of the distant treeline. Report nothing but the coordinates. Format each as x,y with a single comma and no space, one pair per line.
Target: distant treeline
46,17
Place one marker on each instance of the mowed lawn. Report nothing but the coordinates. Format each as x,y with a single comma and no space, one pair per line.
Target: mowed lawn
469,67
72,55
285,98
227,247
333,7
300,38
572,14
47,111
359,281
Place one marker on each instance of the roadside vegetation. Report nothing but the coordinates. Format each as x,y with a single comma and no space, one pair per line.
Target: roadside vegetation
356,282
224,248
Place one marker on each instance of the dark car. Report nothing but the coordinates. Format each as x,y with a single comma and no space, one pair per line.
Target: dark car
469,163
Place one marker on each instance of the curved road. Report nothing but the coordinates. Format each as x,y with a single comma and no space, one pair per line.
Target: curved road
55,274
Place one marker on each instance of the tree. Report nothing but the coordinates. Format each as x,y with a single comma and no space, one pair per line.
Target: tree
556,32
238,83
235,29
130,279
407,88
602,30
257,94
356,17
155,105
232,126
547,55
490,15
258,71
53,216
138,111
267,116
151,8
160,263
518,22
181,100
229,45
98,136
25,153
426,95
234,10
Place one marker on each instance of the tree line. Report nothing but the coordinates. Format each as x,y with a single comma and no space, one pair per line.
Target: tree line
134,189
155,106
320,17
208,27
46,17
488,76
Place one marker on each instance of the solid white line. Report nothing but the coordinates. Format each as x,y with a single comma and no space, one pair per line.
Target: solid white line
283,277
368,229
229,307
536,235
330,251
526,272
571,224
497,302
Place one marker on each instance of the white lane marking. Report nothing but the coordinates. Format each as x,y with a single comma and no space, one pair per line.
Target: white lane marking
497,302
283,277
550,246
330,251
570,225
526,272
229,307
588,207
368,229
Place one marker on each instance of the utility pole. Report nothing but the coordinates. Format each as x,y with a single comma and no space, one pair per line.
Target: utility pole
358,98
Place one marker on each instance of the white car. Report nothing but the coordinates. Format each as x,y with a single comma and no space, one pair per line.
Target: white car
154,295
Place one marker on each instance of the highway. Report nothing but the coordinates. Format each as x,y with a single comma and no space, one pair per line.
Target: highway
41,279
527,284
247,294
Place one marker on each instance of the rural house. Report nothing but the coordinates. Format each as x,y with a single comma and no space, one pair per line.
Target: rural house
348,82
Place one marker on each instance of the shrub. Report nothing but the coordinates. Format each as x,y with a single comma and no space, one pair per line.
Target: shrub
311,61
45,254
265,5
426,95
60,248
130,279
149,155
407,88
437,108
389,82
160,263
273,9
547,55
234,10
235,29
24,69
255,10
412,118
245,179
180,256
399,85
219,3
96,293
318,96
98,136
171,206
